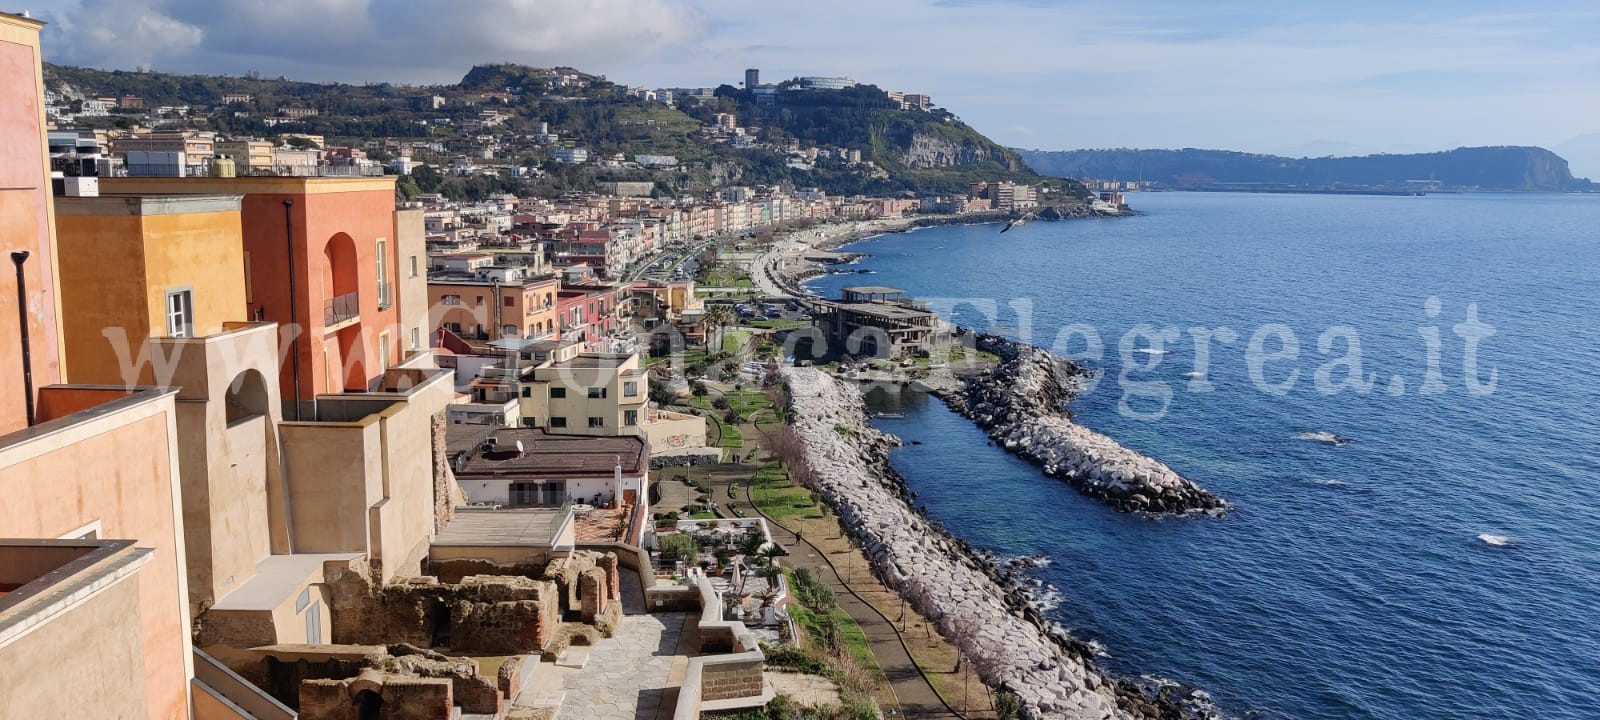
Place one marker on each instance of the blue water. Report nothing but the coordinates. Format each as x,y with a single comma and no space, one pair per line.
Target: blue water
1352,581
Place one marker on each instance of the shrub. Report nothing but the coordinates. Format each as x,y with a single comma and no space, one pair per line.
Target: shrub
678,547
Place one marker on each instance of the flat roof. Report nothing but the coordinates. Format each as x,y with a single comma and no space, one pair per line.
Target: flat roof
883,310
117,204
872,290
558,456
525,527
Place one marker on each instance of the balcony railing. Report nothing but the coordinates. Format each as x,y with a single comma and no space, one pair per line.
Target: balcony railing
341,308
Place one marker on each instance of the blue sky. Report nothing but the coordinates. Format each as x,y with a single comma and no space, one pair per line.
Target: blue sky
1352,76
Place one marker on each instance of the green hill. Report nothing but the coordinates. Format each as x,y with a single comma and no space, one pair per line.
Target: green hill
902,151
1474,168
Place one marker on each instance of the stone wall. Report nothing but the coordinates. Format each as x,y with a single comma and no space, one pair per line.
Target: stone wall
397,698
444,480
490,614
737,679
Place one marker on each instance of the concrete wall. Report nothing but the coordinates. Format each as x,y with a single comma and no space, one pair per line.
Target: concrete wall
232,484
329,466
675,431
114,471
85,662
368,486
411,249
27,219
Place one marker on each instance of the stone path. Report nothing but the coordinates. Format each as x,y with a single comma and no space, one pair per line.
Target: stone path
627,676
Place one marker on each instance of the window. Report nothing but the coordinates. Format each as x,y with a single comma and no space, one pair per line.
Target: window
249,291
556,393
597,393
454,327
597,422
450,300
180,313
384,349
527,392
630,389
413,266
385,293
416,338
630,417
558,422
480,299
510,302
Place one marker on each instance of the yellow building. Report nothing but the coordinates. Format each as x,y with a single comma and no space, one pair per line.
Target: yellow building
138,267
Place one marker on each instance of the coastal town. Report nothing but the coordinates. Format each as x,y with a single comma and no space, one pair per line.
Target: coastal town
286,436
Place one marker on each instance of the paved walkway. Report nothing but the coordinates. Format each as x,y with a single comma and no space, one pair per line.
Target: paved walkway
916,696
628,676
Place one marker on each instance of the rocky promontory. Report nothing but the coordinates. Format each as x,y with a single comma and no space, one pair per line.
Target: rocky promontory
1022,406
972,603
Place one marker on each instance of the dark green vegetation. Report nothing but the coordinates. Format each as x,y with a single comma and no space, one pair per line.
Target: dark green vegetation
902,151
1476,168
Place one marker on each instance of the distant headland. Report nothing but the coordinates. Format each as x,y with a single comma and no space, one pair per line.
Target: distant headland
1509,168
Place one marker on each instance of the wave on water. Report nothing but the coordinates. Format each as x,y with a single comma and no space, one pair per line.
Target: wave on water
1495,540
1195,374
1324,437
1332,483
1150,351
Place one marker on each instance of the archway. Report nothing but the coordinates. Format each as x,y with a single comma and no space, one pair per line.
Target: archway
247,396
368,705
341,276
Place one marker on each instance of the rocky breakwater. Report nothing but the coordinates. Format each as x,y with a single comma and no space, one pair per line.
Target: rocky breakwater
971,602
1022,406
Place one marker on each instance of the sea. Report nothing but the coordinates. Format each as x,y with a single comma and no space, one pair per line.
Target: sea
1399,395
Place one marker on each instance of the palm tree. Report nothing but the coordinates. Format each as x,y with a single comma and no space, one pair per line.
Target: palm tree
717,316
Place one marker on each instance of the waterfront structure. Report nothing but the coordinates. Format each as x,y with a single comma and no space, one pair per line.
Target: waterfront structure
876,322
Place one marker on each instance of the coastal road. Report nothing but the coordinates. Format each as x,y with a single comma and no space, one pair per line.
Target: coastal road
916,696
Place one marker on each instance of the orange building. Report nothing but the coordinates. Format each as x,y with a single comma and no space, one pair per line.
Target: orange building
93,617
26,219
134,268
340,290
484,309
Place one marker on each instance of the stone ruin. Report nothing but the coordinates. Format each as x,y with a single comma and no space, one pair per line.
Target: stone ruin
496,613
487,614
398,682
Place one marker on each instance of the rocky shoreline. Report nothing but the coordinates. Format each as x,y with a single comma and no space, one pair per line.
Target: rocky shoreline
1021,404
977,605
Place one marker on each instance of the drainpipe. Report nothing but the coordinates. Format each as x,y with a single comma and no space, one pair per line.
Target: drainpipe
18,258
499,334
294,362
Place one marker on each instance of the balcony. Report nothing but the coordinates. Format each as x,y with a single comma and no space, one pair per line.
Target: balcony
341,309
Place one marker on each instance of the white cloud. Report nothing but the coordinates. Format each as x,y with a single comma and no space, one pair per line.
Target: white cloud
356,40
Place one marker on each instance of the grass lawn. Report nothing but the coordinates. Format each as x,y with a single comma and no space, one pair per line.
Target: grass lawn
779,498
778,324
732,340
731,437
